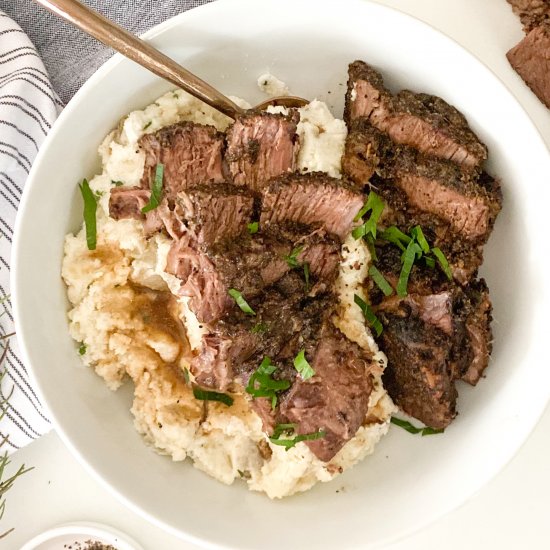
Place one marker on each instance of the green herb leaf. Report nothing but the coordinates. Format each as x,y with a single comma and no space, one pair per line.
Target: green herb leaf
380,281
292,258
369,240
82,349
117,183
156,190
407,426
409,257
418,235
262,384
395,236
186,375
369,315
259,328
253,227
147,125
241,302
302,366
90,208
289,443
430,262
442,260
283,428
375,206
306,275
205,395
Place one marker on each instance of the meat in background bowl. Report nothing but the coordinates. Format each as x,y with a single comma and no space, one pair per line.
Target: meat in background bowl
409,481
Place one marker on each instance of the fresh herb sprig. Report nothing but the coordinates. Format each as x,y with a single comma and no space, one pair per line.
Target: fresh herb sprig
253,227
6,483
407,426
288,430
262,383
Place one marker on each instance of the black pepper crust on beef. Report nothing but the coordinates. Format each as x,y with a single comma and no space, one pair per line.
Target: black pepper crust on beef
422,121
532,13
456,208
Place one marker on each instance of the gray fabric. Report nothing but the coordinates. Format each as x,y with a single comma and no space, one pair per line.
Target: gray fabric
69,55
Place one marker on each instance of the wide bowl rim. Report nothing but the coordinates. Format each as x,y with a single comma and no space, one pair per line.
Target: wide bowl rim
25,343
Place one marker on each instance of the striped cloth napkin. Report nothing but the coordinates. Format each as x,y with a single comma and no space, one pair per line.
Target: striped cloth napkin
28,107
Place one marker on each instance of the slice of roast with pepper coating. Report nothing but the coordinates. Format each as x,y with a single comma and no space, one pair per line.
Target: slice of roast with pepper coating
191,154
422,121
313,198
261,146
335,400
250,264
236,345
438,333
531,60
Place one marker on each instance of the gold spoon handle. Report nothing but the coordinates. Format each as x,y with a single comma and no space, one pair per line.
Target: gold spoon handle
139,51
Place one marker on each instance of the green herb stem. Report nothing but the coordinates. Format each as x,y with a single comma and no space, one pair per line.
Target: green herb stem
407,426
369,315
241,302
302,366
156,190
90,209
206,395
380,281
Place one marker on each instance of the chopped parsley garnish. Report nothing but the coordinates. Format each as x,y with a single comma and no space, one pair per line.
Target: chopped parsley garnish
90,208
380,281
292,258
156,190
408,258
369,315
206,395
407,426
241,302
253,227
287,429
418,235
82,349
259,328
302,366
117,183
262,384
414,247
99,194
440,257
395,236
147,125
375,206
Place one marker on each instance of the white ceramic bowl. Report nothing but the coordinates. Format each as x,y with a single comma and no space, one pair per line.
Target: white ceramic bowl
409,481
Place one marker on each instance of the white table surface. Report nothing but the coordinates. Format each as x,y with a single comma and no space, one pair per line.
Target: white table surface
511,512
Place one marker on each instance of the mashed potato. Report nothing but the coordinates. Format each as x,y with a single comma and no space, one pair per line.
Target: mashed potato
111,290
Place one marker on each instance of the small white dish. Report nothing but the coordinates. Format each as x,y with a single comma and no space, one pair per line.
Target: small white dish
79,536
409,481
